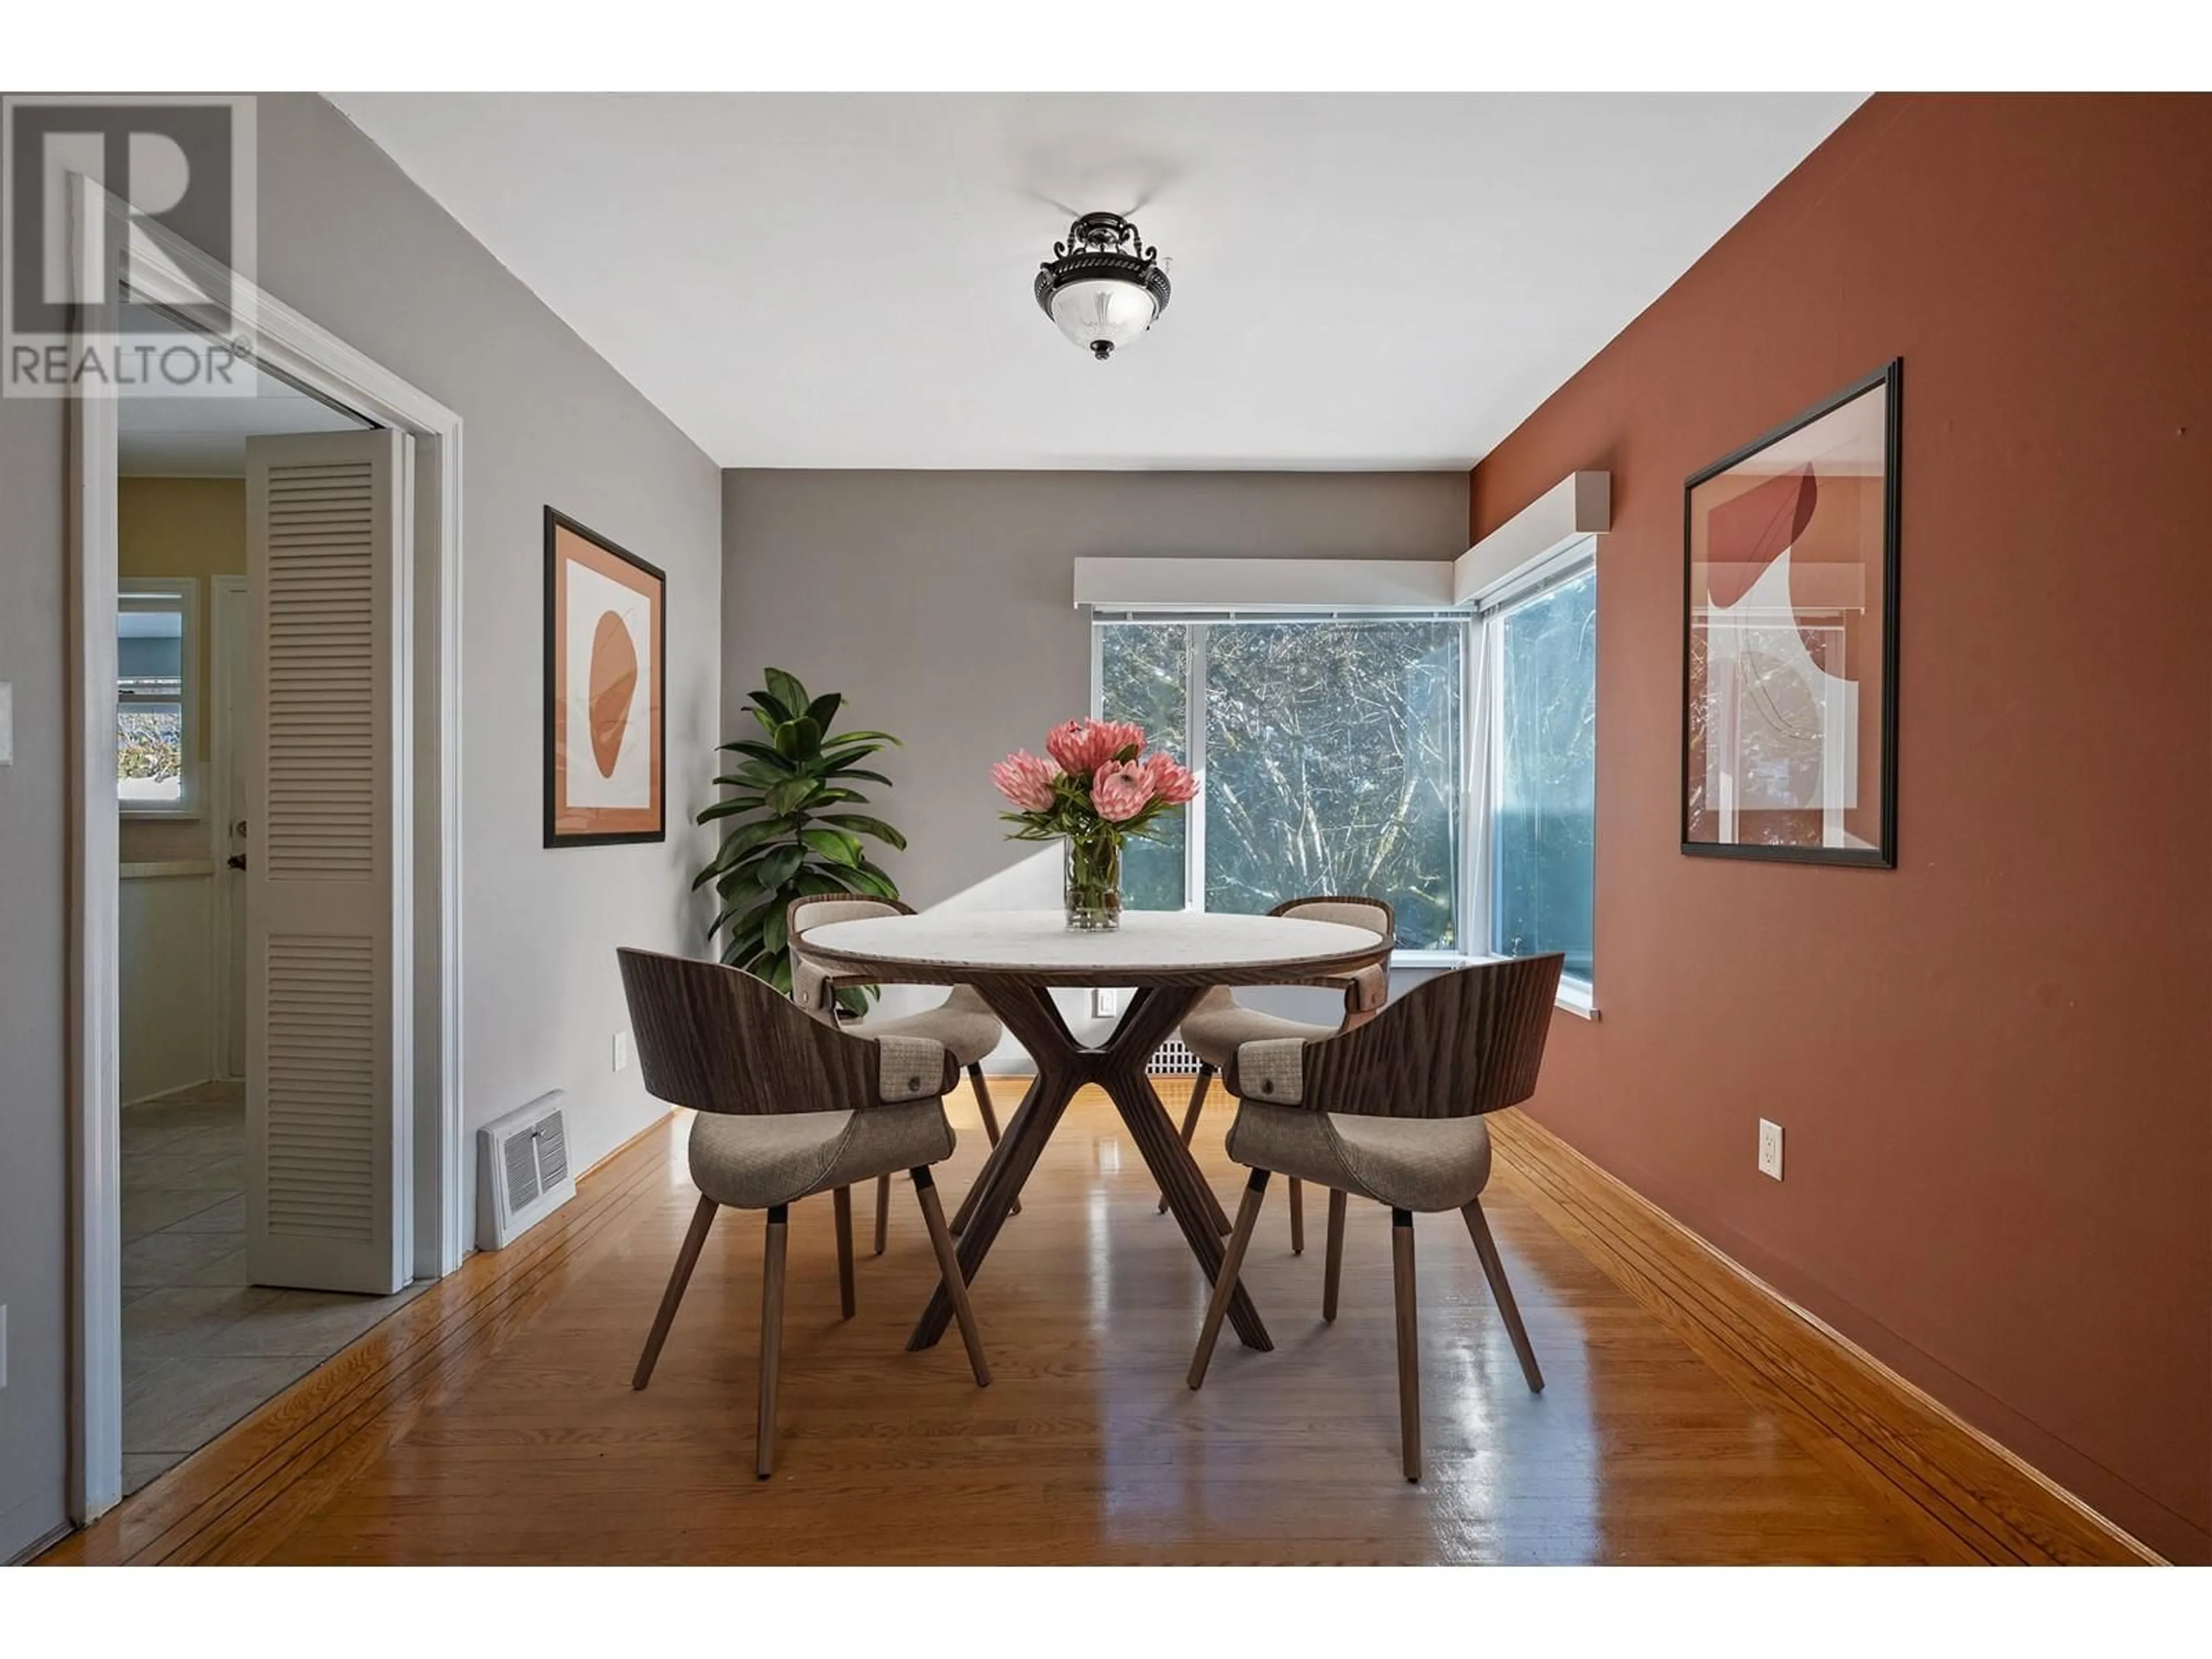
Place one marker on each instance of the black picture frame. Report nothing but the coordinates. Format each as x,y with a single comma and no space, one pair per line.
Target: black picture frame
555,522
1890,379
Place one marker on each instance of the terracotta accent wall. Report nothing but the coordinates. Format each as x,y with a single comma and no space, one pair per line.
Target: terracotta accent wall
1994,1064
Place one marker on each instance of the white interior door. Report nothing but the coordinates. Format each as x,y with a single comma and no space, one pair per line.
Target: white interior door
328,1071
232,638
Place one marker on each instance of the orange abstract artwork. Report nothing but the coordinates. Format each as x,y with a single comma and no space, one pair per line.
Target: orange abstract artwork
604,671
1788,733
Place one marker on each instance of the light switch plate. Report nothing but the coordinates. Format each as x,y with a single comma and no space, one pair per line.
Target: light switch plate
7,724
622,1050
1104,1004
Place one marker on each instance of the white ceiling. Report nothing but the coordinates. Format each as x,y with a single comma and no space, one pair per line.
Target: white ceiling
843,280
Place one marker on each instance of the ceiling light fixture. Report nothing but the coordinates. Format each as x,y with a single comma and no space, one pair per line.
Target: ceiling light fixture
1103,286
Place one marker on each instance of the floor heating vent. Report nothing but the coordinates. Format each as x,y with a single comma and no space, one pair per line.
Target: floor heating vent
1173,1060
522,1171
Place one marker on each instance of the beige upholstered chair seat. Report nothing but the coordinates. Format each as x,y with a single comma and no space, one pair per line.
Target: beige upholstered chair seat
756,1162
1218,1026
964,1024
1424,1164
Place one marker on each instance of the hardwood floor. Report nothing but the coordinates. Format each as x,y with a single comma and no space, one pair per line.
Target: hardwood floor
1685,1418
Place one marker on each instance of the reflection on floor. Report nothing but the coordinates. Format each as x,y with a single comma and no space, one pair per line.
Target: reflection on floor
494,1420
201,1347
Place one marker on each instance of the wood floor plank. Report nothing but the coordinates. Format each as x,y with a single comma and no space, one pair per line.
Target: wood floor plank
1687,1418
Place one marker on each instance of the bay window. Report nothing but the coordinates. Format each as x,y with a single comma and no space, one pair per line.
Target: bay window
1445,761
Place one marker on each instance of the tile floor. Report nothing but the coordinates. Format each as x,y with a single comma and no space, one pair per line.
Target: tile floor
201,1347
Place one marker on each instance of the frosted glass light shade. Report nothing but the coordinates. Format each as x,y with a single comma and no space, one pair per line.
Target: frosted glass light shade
1102,313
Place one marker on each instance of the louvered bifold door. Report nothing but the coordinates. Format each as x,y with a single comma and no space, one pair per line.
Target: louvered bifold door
326,877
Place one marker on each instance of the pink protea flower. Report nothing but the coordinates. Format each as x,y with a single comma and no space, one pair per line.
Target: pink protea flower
1120,792
1082,747
1173,782
1025,780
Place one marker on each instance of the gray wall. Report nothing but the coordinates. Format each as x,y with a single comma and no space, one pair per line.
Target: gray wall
347,239
941,605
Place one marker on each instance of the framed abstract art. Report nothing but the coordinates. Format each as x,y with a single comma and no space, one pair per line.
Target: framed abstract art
1790,658
606,634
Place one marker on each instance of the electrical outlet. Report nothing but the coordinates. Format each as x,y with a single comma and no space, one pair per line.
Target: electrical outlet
1105,1004
622,1050
1770,1149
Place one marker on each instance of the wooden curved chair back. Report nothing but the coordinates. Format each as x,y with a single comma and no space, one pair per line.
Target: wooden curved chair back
1468,1041
717,1039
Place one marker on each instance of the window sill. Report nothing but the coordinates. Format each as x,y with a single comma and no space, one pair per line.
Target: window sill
1578,997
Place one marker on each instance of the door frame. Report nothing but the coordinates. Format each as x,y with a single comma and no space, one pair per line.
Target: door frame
285,341
226,629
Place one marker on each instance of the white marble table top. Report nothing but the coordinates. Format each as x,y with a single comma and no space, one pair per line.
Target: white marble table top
1178,947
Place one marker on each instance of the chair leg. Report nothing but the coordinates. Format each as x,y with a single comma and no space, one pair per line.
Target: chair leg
990,1115
771,1348
1333,1272
948,1267
1297,1217
1493,1269
1409,1344
686,1258
883,1212
1190,1114
1224,1282
842,1198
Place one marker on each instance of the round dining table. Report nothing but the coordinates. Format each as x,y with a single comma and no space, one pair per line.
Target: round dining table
1015,959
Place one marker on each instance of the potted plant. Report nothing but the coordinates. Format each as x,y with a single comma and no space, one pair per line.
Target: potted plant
791,832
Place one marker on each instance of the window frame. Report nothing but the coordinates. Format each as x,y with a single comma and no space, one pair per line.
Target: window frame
1481,694
184,594
1196,623
1485,695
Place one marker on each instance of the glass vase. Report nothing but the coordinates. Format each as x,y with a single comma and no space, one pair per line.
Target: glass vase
1092,891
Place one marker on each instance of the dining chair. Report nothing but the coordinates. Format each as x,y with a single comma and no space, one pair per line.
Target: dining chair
963,1023
1392,1110
1217,1024
788,1106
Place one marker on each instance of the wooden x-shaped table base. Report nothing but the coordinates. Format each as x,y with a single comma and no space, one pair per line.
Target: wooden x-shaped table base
1064,1064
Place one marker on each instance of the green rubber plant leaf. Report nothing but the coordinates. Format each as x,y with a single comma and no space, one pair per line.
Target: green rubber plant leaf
833,844
766,754
723,809
800,739
867,879
861,823
784,833
780,865
787,689
793,793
